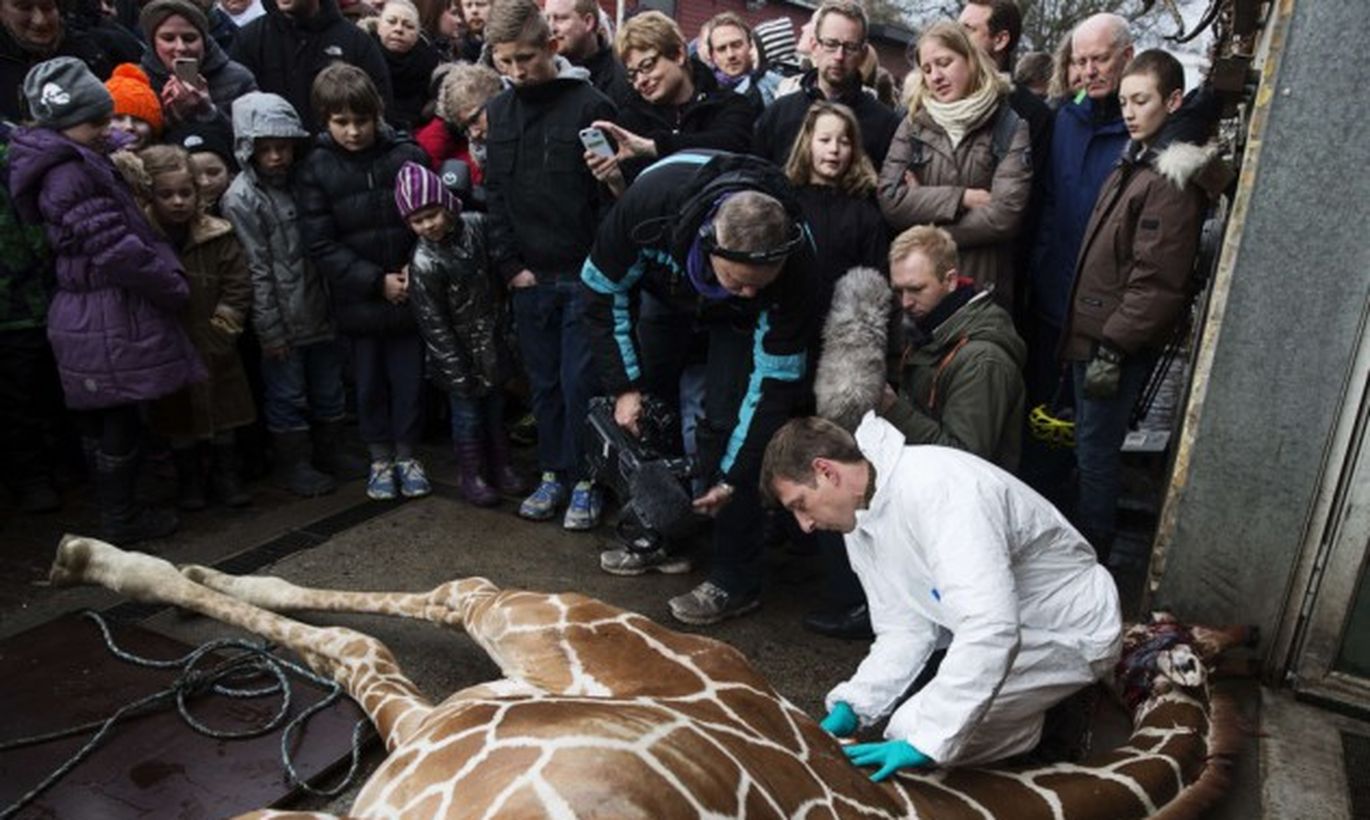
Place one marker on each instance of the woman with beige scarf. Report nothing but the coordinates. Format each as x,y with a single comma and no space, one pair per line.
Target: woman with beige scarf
960,159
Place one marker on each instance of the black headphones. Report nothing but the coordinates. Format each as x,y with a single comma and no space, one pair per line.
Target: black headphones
708,241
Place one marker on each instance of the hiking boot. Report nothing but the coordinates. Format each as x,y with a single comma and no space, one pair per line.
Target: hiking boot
380,482
629,562
294,470
471,484
710,603
123,521
543,503
224,478
330,454
190,478
586,505
413,480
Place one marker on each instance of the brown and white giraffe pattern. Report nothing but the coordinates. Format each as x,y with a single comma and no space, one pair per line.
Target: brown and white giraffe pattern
605,713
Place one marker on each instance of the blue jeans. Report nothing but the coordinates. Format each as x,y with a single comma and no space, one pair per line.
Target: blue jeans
1100,427
556,353
476,419
305,385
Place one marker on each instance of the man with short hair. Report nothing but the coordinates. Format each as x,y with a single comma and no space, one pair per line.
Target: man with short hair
718,240
286,48
840,35
1087,140
732,51
954,552
544,208
582,40
960,380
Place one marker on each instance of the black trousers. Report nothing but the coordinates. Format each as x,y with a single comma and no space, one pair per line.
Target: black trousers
28,403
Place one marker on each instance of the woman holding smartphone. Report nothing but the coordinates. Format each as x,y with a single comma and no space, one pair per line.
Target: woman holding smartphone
190,72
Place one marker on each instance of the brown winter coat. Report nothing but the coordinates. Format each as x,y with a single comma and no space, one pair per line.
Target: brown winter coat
1132,280
220,285
985,235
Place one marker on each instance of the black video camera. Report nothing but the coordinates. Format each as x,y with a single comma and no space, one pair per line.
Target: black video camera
653,487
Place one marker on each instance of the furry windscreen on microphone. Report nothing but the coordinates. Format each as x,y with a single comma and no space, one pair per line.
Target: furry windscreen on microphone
851,373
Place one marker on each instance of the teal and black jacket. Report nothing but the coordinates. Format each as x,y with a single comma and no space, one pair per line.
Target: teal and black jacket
642,245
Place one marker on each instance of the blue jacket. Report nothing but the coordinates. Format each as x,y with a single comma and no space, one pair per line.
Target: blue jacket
1083,154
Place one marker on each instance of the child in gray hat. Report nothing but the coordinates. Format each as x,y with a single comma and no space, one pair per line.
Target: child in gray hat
112,322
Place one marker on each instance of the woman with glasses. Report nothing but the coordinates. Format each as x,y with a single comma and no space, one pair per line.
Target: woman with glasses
676,104
960,158
458,131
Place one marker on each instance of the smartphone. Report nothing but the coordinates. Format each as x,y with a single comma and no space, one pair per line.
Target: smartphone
594,141
186,69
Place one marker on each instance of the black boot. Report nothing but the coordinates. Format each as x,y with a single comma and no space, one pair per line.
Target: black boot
224,478
329,455
293,469
190,478
122,520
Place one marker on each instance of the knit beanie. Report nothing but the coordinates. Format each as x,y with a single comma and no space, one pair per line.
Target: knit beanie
416,188
211,136
133,95
156,12
62,92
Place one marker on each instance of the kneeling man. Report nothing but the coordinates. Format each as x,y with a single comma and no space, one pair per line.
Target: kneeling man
952,552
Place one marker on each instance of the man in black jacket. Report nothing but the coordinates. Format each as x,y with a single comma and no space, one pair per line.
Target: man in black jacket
286,48
718,239
544,206
840,31
31,32
582,40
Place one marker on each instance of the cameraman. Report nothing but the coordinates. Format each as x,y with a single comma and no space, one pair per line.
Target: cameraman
717,239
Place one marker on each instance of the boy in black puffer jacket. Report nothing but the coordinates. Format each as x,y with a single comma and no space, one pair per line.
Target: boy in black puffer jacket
355,236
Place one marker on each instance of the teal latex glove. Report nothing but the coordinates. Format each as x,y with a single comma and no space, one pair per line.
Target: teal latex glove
841,721
890,756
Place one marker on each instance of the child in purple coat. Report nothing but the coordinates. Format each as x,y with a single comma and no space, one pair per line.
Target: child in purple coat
112,321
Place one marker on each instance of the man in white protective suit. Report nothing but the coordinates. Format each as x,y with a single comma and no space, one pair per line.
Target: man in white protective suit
952,552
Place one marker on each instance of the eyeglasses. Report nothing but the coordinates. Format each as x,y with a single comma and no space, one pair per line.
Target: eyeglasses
832,45
644,66
472,118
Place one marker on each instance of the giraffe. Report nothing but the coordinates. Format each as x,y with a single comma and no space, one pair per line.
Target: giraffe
602,712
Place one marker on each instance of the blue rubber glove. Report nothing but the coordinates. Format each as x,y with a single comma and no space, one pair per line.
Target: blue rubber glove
841,721
890,756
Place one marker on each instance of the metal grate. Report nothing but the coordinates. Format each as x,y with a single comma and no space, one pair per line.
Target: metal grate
1356,757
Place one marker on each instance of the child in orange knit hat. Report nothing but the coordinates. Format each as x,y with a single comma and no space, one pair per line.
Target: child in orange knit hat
137,109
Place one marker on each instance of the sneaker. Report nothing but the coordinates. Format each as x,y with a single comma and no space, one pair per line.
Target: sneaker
710,603
627,562
586,505
543,503
380,483
413,481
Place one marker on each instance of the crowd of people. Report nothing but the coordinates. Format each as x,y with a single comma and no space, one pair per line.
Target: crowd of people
221,214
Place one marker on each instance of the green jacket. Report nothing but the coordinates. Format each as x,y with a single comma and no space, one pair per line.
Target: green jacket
964,389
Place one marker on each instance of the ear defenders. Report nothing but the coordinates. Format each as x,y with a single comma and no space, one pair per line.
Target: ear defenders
708,242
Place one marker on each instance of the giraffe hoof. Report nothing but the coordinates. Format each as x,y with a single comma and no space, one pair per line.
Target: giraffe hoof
73,556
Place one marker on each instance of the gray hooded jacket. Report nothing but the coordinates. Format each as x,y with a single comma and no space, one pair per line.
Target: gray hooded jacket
289,297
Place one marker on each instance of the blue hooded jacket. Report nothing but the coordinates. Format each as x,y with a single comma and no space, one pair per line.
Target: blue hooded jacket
1083,153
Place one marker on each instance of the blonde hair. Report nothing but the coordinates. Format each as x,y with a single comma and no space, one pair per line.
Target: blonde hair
465,85
933,242
650,31
1060,85
165,159
858,180
950,34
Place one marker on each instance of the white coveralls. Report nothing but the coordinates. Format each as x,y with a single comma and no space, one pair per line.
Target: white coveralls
954,548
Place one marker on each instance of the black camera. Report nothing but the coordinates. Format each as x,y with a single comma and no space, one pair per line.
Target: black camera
654,487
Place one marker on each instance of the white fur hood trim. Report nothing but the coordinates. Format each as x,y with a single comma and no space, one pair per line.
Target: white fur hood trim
1180,161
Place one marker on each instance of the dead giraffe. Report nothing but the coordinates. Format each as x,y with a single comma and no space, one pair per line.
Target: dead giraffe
604,713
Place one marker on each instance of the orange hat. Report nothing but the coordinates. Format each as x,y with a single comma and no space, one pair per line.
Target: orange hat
133,95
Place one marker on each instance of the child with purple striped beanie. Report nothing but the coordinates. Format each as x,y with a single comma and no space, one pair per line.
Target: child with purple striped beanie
454,293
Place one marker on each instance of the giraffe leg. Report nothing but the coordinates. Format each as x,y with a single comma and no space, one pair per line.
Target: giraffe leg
563,644
361,664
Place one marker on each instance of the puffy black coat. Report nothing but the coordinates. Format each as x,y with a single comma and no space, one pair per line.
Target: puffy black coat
353,231
714,119
286,53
